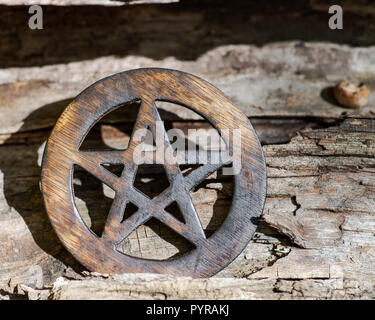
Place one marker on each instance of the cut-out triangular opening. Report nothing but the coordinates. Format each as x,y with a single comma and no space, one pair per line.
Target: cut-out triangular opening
175,211
188,168
113,131
217,189
130,209
171,112
154,240
92,199
151,179
201,135
116,169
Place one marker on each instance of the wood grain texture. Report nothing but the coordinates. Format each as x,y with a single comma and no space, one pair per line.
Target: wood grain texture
98,254
315,237
185,30
158,287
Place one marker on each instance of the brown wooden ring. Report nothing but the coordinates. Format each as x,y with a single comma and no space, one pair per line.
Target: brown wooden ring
148,85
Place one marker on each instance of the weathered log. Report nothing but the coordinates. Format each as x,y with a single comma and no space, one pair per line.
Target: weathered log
146,286
158,287
184,30
316,234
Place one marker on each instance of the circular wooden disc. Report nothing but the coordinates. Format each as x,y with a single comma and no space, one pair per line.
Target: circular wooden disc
148,85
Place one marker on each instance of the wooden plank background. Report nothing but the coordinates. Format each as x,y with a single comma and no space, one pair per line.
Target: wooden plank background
316,237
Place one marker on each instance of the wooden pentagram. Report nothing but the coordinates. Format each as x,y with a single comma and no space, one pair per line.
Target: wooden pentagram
149,85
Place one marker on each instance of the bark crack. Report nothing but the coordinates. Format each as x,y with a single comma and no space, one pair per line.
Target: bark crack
296,204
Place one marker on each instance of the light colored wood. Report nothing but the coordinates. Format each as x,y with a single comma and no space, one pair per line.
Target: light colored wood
157,287
261,87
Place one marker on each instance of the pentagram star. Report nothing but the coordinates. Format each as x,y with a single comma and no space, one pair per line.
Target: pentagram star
116,229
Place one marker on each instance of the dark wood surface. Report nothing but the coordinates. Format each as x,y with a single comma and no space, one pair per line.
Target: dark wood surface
98,253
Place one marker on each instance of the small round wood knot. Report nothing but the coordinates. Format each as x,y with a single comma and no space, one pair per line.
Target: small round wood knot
209,254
